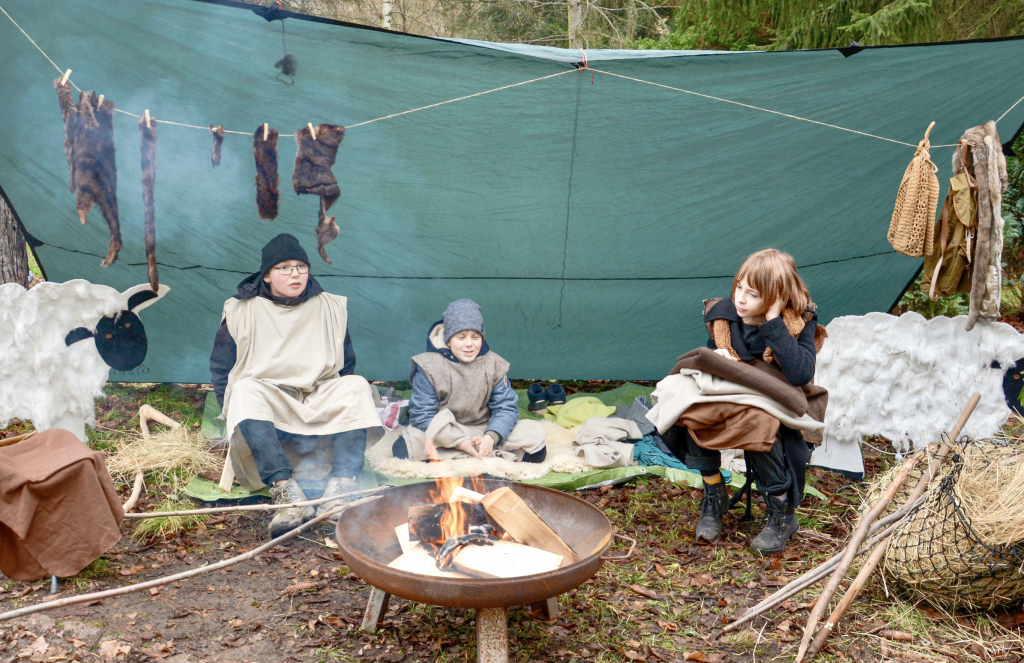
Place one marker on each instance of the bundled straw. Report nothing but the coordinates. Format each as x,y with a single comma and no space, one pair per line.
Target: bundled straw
179,449
990,489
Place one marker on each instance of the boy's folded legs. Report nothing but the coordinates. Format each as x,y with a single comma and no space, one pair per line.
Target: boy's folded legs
524,443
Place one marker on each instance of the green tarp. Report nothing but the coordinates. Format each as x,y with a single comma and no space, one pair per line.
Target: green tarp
588,214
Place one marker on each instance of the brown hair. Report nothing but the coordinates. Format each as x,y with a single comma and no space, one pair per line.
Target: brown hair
773,274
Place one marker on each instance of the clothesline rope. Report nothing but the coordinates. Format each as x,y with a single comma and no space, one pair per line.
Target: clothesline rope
512,85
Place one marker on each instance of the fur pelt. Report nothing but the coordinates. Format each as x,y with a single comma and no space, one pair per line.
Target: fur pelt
267,179
148,135
326,231
68,113
92,166
218,138
312,174
985,162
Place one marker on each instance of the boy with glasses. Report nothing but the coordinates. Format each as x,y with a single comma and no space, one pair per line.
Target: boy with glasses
283,372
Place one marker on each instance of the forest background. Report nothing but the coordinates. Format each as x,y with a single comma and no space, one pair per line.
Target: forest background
686,25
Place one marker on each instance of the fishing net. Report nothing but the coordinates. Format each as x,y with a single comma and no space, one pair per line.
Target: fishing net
963,547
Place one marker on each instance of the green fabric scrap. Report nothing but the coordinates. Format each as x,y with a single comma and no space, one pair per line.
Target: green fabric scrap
212,426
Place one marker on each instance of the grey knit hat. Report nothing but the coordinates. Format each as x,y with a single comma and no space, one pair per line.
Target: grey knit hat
462,315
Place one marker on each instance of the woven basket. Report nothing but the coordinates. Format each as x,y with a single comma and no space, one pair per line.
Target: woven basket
912,228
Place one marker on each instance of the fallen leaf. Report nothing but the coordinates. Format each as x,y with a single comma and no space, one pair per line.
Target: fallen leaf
153,591
298,587
980,651
37,647
77,644
668,626
632,655
698,656
660,570
643,591
330,543
237,642
131,570
634,644
111,649
898,636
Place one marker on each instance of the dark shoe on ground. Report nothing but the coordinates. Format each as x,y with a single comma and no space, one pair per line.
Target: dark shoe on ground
336,487
288,519
556,394
782,524
538,396
712,508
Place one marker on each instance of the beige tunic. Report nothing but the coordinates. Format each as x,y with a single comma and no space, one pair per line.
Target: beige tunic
286,371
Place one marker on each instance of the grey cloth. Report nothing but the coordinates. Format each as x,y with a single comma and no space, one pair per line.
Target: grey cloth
462,315
601,442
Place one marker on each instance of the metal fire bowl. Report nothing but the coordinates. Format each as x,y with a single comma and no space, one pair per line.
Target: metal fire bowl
366,538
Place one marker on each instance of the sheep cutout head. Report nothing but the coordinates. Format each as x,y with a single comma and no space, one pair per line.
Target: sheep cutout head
63,340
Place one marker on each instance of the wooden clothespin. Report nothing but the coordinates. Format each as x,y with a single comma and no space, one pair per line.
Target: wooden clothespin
100,102
312,131
65,77
148,125
265,130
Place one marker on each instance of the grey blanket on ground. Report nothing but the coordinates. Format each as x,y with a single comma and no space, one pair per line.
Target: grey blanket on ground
601,441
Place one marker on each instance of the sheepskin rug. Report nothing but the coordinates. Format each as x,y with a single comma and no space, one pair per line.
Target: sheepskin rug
560,458
907,379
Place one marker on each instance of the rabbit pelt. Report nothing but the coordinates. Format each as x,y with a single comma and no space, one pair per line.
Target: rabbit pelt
326,232
148,136
218,139
313,161
267,180
985,162
92,166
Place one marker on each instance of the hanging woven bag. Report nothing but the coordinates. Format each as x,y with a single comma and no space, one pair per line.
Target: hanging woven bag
913,221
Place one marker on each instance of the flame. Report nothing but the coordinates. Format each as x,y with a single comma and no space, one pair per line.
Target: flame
454,522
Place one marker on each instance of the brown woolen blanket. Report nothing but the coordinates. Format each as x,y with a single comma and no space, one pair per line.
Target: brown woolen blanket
58,508
766,378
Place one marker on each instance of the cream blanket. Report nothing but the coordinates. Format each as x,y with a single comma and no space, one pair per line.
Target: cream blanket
676,393
286,371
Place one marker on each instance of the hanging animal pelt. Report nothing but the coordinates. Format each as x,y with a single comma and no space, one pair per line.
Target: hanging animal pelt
218,138
148,134
313,160
981,154
265,151
92,167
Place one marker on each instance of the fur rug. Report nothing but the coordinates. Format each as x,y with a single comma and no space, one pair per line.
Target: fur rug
560,458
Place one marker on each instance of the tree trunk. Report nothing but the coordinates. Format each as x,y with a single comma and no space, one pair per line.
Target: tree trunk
13,252
575,23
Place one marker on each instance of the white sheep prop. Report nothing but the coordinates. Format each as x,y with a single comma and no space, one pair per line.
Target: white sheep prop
41,377
907,379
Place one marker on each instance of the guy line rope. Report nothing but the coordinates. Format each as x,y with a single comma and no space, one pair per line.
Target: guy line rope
583,67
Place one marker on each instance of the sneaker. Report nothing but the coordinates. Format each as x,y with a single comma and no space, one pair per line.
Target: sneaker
288,519
712,508
556,394
782,524
538,396
336,487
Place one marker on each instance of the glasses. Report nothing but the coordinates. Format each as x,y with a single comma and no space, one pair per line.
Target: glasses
287,269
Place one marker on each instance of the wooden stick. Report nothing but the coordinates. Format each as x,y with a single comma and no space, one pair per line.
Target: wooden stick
86,598
856,539
253,507
65,77
862,528
848,598
148,125
136,493
149,413
100,102
266,129
17,438
312,130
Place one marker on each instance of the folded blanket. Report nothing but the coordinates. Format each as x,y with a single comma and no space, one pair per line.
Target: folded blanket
601,442
765,378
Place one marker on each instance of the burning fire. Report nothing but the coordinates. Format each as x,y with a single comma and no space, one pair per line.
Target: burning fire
455,521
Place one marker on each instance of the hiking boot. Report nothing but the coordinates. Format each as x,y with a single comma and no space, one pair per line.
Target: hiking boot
288,519
336,487
782,524
712,508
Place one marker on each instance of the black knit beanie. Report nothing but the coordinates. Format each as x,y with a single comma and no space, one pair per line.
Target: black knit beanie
281,248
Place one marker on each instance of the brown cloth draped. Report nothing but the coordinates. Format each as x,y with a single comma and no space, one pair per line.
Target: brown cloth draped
58,508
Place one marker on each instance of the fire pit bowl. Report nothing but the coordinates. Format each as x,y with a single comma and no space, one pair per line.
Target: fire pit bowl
366,537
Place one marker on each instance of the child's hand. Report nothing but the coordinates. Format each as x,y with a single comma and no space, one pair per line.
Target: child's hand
485,443
775,310
431,449
724,352
469,446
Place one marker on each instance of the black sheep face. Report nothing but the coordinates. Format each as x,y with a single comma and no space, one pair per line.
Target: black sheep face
121,338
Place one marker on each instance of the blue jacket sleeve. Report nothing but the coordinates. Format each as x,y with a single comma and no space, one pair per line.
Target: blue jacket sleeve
222,360
795,356
423,402
504,408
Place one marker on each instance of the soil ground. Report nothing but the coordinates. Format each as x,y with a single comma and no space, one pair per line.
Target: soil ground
300,602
